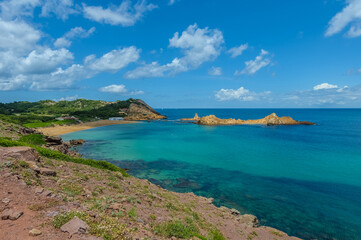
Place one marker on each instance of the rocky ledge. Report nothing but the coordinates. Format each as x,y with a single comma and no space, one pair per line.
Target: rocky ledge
139,110
269,120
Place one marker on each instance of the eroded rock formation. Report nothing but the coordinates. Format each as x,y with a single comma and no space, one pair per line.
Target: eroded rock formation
139,110
269,120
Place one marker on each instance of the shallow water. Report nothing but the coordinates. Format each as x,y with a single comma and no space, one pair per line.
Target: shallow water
304,180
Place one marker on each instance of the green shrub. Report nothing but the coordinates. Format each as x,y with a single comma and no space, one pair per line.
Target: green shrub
23,164
176,229
35,139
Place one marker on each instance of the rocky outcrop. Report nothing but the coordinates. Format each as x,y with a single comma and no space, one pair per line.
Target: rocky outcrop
19,153
139,110
76,142
76,225
269,120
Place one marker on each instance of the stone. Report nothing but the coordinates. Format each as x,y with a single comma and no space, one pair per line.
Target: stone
35,232
248,219
76,225
11,214
52,140
6,201
47,172
235,212
39,190
115,206
210,200
76,142
19,153
47,193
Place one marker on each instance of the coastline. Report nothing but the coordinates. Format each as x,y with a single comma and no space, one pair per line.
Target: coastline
60,130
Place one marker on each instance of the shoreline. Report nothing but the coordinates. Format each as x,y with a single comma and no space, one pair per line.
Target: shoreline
61,130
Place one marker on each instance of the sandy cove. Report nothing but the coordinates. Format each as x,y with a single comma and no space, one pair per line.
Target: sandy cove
60,130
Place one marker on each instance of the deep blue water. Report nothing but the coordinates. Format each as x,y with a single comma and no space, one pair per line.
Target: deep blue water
304,180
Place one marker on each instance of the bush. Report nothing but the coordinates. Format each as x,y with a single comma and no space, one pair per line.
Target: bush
35,139
177,229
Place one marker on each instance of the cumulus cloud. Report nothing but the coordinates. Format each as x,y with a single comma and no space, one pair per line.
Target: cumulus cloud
198,45
60,8
253,66
237,51
125,14
350,15
241,94
119,89
77,32
14,8
324,86
69,98
215,71
113,60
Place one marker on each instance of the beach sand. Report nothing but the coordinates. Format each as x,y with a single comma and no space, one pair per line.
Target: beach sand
60,130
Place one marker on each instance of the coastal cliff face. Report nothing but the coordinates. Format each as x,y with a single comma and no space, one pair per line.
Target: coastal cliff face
269,120
139,110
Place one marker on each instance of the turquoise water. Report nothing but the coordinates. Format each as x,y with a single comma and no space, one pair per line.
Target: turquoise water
304,180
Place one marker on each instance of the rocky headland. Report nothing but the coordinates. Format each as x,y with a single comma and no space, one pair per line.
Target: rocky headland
269,120
140,111
49,192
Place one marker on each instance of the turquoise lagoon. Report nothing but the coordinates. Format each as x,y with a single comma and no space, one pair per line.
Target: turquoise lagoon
304,180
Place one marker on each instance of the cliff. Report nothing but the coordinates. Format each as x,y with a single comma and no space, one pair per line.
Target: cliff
269,120
139,110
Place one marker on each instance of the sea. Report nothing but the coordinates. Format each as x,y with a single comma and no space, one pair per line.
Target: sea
303,180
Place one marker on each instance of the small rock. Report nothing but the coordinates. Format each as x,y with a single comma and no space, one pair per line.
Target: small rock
52,214
235,212
11,214
210,200
47,193
47,172
76,225
6,201
34,232
39,190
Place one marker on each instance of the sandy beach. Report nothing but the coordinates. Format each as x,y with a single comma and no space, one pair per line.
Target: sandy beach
60,130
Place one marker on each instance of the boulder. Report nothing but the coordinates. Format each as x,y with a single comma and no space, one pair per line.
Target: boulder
76,225
11,214
76,142
51,140
47,172
19,153
248,219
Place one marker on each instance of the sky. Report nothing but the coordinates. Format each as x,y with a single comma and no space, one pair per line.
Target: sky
183,53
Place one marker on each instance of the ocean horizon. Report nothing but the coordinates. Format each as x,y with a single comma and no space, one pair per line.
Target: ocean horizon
303,180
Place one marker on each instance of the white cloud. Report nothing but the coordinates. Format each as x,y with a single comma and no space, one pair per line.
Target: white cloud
15,8
236,51
215,71
13,83
171,2
125,14
77,32
240,94
45,61
119,89
69,98
198,45
324,86
331,96
60,8
351,14
113,60
17,36
253,66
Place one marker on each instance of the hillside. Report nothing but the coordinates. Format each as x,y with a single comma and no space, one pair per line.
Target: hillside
46,113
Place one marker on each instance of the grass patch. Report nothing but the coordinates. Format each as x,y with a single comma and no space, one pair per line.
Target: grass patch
34,139
176,229
72,189
42,206
23,164
132,213
52,154
215,234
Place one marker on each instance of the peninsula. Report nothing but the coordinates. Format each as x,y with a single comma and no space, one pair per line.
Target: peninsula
269,120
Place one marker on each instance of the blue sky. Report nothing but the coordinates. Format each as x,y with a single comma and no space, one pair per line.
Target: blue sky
183,53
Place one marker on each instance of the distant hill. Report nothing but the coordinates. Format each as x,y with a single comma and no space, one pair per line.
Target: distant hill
47,112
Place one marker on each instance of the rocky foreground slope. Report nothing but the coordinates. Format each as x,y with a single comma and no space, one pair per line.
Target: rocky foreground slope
269,120
45,194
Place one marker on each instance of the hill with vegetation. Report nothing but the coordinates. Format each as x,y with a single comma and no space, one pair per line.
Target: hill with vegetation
47,112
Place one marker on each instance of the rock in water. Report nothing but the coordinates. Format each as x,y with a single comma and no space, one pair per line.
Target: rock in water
76,225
